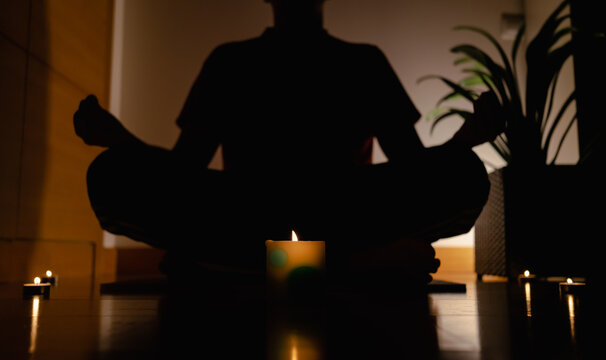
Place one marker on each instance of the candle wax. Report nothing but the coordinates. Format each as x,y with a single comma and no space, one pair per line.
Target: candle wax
297,266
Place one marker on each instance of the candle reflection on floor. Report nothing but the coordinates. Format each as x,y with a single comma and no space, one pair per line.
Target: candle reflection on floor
33,335
294,334
571,316
527,296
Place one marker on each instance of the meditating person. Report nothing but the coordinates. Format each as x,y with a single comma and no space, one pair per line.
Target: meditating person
295,111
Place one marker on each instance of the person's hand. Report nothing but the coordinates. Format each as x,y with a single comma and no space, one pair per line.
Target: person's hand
485,124
96,126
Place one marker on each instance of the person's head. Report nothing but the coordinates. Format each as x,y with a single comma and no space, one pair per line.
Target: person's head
297,12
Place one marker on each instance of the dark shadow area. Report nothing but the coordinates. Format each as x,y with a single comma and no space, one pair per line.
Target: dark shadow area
534,321
345,325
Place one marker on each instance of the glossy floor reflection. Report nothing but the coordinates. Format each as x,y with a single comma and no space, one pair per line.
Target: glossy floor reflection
492,320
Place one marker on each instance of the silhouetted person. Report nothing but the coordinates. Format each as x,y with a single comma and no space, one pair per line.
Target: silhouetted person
295,111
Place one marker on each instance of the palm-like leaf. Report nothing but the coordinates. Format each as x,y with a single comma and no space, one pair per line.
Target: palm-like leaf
527,134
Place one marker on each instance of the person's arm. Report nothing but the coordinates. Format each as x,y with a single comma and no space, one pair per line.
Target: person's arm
483,125
96,126
198,140
393,111
396,133
198,120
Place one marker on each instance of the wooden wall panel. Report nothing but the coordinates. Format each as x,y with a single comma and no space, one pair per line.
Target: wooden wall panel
14,20
12,97
73,37
54,53
54,201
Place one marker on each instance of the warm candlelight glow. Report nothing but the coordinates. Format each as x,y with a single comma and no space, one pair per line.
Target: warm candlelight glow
294,354
526,273
37,280
528,299
49,273
294,236
569,281
33,335
570,300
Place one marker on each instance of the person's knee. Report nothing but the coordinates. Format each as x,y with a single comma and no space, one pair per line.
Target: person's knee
99,178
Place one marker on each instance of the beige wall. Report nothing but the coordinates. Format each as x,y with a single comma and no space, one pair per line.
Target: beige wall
53,54
537,12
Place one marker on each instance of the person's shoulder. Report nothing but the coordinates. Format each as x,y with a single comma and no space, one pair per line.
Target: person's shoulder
361,50
361,47
235,48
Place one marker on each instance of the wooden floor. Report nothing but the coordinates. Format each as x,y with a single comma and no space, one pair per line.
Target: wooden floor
198,319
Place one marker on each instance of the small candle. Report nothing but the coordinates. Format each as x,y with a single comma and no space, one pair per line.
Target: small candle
295,268
571,287
36,288
49,278
526,276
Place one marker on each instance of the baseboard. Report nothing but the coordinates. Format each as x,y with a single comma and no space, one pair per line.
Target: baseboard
456,259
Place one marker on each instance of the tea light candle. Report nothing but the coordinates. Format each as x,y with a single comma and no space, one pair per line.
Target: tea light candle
527,276
294,265
49,278
36,288
571,287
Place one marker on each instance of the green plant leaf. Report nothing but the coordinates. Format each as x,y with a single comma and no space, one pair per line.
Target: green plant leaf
542,63
494,42
463,60
450,96
508,75
500,150
496,71
451,112
516,46
435,112
468,94
562,138
552,91
556,120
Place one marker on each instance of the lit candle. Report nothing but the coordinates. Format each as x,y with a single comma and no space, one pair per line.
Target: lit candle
527,276
49,278
571,287
36,288
295,268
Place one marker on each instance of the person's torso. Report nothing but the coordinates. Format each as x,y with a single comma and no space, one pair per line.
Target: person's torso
299,104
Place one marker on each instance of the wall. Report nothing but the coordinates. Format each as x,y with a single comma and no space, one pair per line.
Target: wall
54,53
537,11
163,45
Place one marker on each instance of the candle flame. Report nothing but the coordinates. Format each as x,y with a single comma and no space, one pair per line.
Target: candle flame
37,280
526,273
569,281
294,236
49,273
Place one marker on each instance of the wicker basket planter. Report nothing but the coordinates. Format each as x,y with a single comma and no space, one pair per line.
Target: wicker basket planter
534,219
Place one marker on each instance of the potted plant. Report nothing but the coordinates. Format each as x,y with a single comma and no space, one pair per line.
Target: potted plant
532,215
